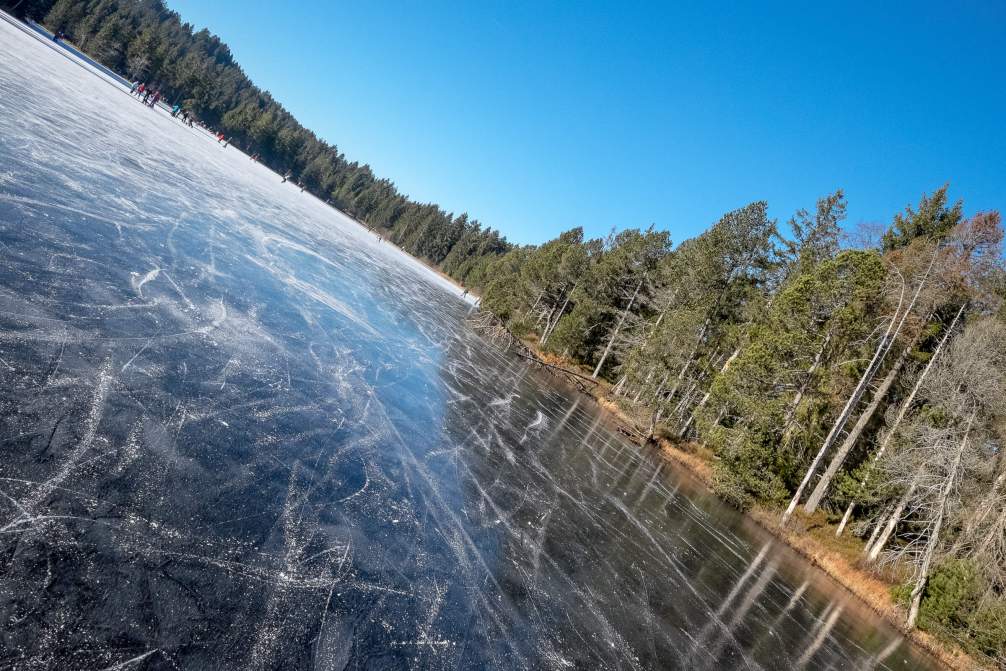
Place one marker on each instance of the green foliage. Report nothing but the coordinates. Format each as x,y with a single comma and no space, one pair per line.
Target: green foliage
951,595
932,220
958,603
987,628
767,404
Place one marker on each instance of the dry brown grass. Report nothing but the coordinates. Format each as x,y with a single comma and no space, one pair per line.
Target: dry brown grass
693,456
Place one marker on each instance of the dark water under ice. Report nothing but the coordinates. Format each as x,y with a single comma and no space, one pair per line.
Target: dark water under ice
237,433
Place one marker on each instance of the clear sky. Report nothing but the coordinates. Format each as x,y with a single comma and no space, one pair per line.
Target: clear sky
535,117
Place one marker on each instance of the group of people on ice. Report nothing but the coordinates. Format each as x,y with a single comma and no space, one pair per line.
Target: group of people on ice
147,95
150,97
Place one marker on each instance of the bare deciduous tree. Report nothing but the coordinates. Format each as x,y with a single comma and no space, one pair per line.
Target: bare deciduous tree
944,451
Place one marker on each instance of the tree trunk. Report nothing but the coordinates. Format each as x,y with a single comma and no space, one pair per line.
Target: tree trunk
614,334
816,496
839,424
882,348
548,329
679,409
536,301
655,415
688,362
845,518
873,550
548,318
934,535
876,532
705,398
905,406
791,413
639,392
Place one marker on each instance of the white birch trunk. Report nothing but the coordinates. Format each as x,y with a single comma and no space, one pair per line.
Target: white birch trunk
809,375
549,328
536,301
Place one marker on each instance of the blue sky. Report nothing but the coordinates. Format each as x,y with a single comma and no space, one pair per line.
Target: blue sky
537,117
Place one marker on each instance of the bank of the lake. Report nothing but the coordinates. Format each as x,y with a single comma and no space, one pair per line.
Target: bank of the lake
812,537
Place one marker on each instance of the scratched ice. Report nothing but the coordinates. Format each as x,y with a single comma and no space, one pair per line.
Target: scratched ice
236,432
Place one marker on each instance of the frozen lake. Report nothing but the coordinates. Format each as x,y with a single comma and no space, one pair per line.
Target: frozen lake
237,433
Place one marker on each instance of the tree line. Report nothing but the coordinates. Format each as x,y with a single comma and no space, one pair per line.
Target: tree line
865,383
144,40
862,382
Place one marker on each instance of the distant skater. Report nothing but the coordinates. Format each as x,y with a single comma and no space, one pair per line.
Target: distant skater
286,177
176,109
136,85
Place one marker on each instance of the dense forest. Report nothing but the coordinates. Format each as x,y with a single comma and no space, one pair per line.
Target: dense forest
861,382
144,40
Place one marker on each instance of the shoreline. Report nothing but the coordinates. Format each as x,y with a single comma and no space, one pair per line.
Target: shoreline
425,262
871,589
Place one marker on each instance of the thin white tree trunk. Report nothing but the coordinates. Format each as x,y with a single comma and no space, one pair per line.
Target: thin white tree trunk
816,496
639,392
549,328
536,301
934,535
547,316
876,532
882,348
873,550
705,398
655,415
843,417
689,360
614,334
902,411
617,389
679,409
795,403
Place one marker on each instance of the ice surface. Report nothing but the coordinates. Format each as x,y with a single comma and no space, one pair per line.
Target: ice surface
237,432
